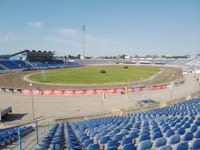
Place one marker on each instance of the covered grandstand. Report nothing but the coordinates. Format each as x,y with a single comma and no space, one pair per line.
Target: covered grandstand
32,60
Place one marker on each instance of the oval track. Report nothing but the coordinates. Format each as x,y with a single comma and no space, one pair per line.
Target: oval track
16,80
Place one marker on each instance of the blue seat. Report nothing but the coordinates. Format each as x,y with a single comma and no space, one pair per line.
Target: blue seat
174,139
182,146
144,137
197,134
117,131
145,132
82,139
166,128
104,140
75,148
193,128
129,147
168,147
181,131
197,123
170,133
124,132
196,145
93,147
156,130
144,145
157,135
188,136
187,125
126,141
177,126
112,148
87,142
133,135
112,143
160,142
118,137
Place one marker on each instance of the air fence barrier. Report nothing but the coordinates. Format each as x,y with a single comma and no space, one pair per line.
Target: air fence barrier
30,140
91,92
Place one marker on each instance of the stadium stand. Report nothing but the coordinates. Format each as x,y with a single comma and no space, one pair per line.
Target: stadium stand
9,64
173,127
22,64
40,65
28,60
9,135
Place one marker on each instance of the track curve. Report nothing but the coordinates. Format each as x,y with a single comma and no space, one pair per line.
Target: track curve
16,80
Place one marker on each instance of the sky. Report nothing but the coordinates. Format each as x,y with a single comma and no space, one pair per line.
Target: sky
113,27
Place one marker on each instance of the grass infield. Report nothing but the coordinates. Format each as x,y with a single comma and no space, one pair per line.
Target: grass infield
92,75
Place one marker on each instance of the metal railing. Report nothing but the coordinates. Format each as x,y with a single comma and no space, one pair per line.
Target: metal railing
30,140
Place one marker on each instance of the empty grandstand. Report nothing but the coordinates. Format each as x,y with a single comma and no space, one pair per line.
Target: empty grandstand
174,127
31,60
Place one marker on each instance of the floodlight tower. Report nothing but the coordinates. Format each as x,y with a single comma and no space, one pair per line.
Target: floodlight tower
83,29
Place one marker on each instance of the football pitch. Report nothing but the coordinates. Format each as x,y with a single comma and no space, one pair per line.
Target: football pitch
93,75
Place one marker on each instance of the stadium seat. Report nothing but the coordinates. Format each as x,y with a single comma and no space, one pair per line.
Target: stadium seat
195,145
144,145
182,146
160,142
104,140
181,131
126,141
144,137
188,136
157,135
168,147
93,147
112,143
174,139
197,134
87,142
130,146
170,133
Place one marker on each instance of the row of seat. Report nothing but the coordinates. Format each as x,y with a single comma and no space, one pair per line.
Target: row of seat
175,127
53,140
169,127
9,135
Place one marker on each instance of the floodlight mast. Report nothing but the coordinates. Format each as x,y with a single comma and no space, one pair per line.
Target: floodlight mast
83,28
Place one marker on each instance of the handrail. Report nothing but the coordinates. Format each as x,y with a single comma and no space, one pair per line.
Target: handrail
37,133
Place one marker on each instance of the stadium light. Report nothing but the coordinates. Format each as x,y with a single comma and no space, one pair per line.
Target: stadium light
33,116
83,29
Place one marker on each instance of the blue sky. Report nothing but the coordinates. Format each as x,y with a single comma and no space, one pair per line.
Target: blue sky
113,27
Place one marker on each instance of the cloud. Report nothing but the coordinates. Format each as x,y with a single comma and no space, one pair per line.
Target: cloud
36,24
68,32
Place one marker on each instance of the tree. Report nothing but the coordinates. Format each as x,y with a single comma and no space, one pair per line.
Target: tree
78,56
69,56
123,56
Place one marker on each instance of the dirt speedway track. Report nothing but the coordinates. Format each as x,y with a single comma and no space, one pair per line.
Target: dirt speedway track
16,80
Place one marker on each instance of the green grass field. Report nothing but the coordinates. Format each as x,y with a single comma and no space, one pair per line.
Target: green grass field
92,75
